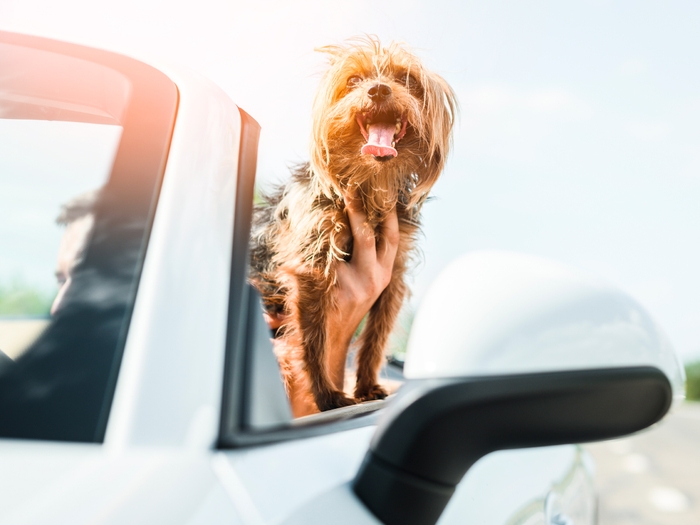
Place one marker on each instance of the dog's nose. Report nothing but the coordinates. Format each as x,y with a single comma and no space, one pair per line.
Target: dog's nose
379,92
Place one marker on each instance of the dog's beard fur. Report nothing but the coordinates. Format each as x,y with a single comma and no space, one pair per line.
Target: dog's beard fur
301,231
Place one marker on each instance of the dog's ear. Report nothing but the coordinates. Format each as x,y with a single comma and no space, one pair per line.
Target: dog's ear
440,109
334,53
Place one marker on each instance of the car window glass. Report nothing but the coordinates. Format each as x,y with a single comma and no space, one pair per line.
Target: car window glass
50,175
84,136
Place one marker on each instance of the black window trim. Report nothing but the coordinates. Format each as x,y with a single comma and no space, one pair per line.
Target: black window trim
232,433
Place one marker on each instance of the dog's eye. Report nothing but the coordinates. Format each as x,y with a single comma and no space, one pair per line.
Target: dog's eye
413,85
354,80
406,78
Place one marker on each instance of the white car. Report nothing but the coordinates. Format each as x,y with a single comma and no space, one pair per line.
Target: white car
147,392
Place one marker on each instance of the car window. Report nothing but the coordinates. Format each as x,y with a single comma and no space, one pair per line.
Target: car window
50,175
83,141
255,406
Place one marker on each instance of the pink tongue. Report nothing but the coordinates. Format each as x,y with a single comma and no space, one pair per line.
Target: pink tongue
381,135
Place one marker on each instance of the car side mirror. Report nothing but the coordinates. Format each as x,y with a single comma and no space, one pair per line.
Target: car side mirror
511,351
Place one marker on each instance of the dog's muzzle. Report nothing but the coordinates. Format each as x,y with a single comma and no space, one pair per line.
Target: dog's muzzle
382,132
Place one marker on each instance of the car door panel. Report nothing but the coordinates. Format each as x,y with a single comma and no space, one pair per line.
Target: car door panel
283,477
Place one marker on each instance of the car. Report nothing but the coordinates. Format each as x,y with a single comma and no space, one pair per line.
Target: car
145,390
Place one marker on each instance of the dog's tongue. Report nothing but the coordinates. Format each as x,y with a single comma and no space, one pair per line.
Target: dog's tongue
379,141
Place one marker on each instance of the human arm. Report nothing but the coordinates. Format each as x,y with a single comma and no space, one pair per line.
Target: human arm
360,281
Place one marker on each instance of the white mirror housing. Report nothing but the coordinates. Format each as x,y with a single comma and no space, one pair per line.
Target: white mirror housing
494,313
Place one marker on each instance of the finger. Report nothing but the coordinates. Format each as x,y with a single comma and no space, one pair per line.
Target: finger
364,251
353,202
389,241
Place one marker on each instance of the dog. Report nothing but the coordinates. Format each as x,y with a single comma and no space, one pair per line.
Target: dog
382,126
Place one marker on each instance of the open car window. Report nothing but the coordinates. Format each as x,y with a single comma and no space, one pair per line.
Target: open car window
84,136
255,406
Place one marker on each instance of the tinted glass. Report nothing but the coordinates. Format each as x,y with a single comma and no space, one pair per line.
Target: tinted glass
49,173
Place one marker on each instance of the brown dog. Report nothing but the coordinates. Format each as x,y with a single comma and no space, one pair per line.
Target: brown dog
382,129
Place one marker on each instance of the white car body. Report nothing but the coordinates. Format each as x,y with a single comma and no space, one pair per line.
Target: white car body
160,460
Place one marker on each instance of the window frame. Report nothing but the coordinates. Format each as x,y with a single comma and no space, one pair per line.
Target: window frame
239,339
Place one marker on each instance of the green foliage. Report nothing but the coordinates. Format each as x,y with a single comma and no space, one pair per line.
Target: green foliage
692,385
257,197
398,339
20,298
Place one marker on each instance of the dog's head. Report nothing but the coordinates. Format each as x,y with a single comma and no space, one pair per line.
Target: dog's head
382,123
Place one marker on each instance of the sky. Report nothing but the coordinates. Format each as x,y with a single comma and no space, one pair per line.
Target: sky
577,138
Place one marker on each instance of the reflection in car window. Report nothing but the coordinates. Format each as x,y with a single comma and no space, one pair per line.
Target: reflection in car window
45,169
78,218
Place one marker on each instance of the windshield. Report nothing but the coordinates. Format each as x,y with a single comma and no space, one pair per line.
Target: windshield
79,173
50,174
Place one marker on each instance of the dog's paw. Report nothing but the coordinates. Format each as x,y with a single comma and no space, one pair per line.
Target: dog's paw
370,393
333,399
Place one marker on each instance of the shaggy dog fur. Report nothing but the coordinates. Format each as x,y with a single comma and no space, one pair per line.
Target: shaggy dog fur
382,128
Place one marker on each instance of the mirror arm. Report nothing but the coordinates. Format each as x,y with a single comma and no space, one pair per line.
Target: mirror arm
436,429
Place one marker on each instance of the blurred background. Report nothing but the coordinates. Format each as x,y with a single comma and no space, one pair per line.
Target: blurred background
578,140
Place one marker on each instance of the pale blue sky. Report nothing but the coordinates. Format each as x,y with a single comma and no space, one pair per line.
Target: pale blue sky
578,138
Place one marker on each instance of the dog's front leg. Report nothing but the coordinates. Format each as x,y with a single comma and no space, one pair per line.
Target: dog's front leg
380,322
312,305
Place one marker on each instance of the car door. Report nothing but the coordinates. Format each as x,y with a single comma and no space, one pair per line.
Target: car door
302,471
